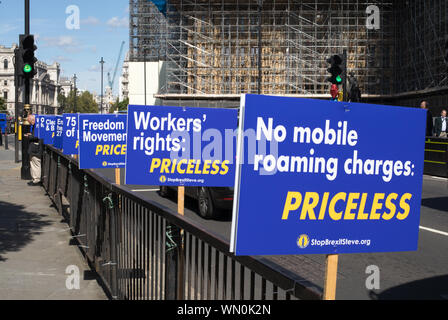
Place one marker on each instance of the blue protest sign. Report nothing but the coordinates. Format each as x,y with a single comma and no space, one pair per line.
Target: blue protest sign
36,125
40,124
180,146
58,133
48,130
336,178
70,135
3,122
102,141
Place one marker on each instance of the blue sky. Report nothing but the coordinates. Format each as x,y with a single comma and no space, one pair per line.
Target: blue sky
103,26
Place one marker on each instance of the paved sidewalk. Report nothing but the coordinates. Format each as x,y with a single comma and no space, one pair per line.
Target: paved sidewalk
35,248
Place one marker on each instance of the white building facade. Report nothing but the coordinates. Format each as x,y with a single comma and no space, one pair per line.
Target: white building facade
124,80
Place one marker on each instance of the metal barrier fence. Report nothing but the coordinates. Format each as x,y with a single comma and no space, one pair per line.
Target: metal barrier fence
142,250
436,157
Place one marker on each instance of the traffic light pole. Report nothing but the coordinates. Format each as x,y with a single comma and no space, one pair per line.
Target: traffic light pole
344,78
27,32
27,17
17,109
25,170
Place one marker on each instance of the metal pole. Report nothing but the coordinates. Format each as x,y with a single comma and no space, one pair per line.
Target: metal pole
25,170
102,63
260,6
74,97
27,32
144,74
27,17
17,109
344,83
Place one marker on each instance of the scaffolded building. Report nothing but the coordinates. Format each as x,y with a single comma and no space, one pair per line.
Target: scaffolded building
218,48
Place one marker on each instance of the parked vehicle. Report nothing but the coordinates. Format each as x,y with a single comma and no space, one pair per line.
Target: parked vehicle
212,201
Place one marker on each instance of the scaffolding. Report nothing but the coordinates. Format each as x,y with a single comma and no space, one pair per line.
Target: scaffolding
421,35
211,47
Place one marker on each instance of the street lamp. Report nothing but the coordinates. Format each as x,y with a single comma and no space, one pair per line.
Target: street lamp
102,64
74,99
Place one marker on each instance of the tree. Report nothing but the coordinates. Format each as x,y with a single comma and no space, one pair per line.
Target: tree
63,102
3,106
84,103
120,106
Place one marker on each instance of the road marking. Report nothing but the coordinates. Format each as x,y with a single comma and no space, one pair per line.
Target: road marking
145,190
435,231
439,178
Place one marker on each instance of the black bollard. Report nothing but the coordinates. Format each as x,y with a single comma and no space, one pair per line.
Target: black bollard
6,141
25,171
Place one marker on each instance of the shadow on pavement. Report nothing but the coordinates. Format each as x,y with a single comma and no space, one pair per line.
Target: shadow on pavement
17,227
440,203
435,288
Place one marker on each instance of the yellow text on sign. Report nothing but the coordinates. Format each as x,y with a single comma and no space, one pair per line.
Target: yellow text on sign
191,166
110,150
315,206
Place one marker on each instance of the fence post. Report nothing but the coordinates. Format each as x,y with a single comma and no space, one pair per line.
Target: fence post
172,244
113,245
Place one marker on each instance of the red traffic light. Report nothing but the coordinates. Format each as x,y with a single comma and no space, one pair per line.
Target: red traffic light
334,91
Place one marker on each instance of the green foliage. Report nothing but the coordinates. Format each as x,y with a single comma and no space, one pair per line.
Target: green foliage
84,103
120,105
3,106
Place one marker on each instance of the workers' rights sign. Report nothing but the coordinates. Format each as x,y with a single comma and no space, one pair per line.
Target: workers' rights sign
102,141
70,140
180,146
338,178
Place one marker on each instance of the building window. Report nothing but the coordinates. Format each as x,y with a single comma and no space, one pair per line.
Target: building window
5,64
5,95
5,82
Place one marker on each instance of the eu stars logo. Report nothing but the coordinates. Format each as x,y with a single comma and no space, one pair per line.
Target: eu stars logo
104,164
303,241
162,179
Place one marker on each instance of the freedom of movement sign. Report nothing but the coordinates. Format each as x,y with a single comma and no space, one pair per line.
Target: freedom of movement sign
102,141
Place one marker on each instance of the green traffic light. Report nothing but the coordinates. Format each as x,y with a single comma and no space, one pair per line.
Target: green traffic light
339,79
27,68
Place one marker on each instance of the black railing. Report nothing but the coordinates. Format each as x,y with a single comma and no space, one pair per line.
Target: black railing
142,250
436,156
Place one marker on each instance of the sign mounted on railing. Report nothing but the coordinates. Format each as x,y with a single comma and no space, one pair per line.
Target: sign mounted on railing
36,125
70,137
58,133
333,180
102,141
179,146
47,129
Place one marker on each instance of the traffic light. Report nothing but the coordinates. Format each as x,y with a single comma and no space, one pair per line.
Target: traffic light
335,70
18,65
28,60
